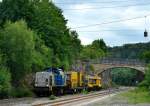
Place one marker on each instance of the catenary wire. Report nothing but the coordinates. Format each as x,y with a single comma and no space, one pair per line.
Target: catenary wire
110,22
131,5
102,2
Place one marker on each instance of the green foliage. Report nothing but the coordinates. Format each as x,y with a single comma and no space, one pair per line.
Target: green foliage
42,56
146,82
91,67
52,97
99,44
96,50
5,82
21,92
15,10
130,51
49,22
146,56
17,43
84,91
124,76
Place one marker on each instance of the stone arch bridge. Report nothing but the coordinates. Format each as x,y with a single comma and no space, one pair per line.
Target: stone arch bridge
104,65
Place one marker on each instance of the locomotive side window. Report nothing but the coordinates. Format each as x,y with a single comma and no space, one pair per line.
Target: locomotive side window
92,81
50,80
46,80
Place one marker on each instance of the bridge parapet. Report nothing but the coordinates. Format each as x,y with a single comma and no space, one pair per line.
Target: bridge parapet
118,61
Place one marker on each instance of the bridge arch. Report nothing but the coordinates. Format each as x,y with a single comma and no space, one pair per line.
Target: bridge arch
106,74
102,66
99,68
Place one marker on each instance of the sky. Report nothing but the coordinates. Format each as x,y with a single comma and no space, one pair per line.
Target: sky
81,13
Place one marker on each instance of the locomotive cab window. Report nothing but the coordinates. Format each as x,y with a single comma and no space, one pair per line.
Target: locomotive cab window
92,81
46,80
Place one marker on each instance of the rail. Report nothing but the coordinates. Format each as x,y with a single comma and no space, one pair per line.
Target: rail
79,98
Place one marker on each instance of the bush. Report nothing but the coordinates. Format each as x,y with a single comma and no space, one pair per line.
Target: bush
84,91
5,85
17,42
52,97
21,92
144,84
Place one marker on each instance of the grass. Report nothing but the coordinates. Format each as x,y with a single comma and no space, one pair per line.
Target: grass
84,91
52,97
138,95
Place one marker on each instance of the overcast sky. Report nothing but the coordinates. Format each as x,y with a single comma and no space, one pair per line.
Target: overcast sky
114,34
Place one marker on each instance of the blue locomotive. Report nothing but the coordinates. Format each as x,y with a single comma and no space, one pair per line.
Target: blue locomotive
51,80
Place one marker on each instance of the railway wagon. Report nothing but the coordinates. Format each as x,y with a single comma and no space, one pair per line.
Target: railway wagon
75,81
52,80
93,82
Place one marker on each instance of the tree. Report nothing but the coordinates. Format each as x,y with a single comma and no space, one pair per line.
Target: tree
49,22
5,82
17,44
42,55
75,45
99,44
146,56
130,51
15,10
5,79
96,50
147,76
88,52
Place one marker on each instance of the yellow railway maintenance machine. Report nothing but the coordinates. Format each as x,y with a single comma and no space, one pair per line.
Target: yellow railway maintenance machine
75,81
93,82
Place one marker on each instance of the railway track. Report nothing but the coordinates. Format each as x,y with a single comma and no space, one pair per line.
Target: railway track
79,98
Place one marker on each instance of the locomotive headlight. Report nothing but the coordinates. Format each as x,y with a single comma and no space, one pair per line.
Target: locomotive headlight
36,83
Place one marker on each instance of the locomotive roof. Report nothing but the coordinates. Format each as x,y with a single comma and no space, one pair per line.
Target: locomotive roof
51,69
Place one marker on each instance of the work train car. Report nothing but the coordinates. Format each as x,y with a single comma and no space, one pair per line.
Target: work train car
74,81
54,80
93,82
50,81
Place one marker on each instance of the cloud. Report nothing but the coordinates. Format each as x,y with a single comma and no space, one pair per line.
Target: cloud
114,34
81,7
85,40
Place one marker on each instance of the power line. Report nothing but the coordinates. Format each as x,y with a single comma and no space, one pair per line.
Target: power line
116,21
112,30
103,2
132,5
